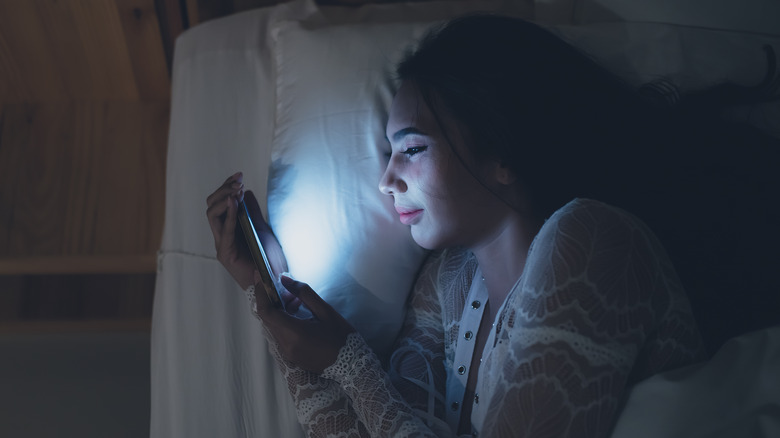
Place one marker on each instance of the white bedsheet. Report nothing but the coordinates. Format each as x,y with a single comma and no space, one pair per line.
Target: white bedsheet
736,394
211,373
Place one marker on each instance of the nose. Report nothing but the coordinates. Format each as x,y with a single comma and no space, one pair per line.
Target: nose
391,183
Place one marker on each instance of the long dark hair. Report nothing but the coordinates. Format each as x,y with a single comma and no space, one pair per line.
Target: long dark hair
569,128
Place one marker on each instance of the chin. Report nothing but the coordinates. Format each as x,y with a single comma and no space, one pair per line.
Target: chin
429,241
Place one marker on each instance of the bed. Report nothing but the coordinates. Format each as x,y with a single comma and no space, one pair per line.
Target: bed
295,95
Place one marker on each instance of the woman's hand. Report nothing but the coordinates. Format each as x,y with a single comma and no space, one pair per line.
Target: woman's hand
232,250
311,344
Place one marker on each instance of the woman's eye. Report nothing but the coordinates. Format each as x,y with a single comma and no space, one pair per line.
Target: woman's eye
414,150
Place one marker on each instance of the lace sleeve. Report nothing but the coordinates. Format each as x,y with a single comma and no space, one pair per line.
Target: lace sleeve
377,403
416,370
595,290
323,409
355,397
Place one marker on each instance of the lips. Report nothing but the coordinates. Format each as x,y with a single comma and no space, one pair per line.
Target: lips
408,215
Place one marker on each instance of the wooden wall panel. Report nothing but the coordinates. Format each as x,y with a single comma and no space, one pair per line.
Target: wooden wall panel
10,297
133,166
140,24
75,297
81,49
108,67
26,60
84,108
8,175
82,178
172,17
34,166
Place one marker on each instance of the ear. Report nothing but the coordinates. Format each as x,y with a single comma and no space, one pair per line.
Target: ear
504,175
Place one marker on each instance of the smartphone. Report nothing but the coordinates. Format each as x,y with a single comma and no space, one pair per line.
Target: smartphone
258,254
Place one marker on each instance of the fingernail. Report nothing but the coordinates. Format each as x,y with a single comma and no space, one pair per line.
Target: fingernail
287,281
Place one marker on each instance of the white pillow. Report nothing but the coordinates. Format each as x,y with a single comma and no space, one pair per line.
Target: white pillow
734,394
340,234
222,113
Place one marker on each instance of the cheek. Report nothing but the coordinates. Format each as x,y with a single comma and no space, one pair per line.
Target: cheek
465,200
426,180
445,177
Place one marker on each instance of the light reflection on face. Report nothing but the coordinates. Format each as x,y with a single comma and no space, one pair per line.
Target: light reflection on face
434,193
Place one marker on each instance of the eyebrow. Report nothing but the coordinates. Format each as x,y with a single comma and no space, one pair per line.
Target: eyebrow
401,133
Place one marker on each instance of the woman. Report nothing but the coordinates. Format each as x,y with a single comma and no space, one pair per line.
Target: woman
537,309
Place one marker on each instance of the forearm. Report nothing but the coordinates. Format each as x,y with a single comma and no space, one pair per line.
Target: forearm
322,408
377,404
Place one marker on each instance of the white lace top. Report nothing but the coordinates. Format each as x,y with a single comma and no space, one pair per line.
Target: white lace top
598,308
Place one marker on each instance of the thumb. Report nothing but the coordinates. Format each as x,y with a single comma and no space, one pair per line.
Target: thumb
306,294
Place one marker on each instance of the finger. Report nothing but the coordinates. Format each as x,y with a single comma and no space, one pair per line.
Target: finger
232,183
290,302
229,226
238,176
216,216
274,318
222,193
227,189
216,211
318,307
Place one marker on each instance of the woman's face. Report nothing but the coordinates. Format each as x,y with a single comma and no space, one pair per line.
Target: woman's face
434,193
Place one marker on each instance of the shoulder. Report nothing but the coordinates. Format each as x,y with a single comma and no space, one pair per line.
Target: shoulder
592,213
590,222
596,240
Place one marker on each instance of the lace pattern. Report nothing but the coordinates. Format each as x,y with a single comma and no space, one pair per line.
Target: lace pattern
357,370
598,308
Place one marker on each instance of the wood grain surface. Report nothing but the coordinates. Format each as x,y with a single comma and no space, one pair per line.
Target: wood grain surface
81,49
84,109
82,178
93,297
